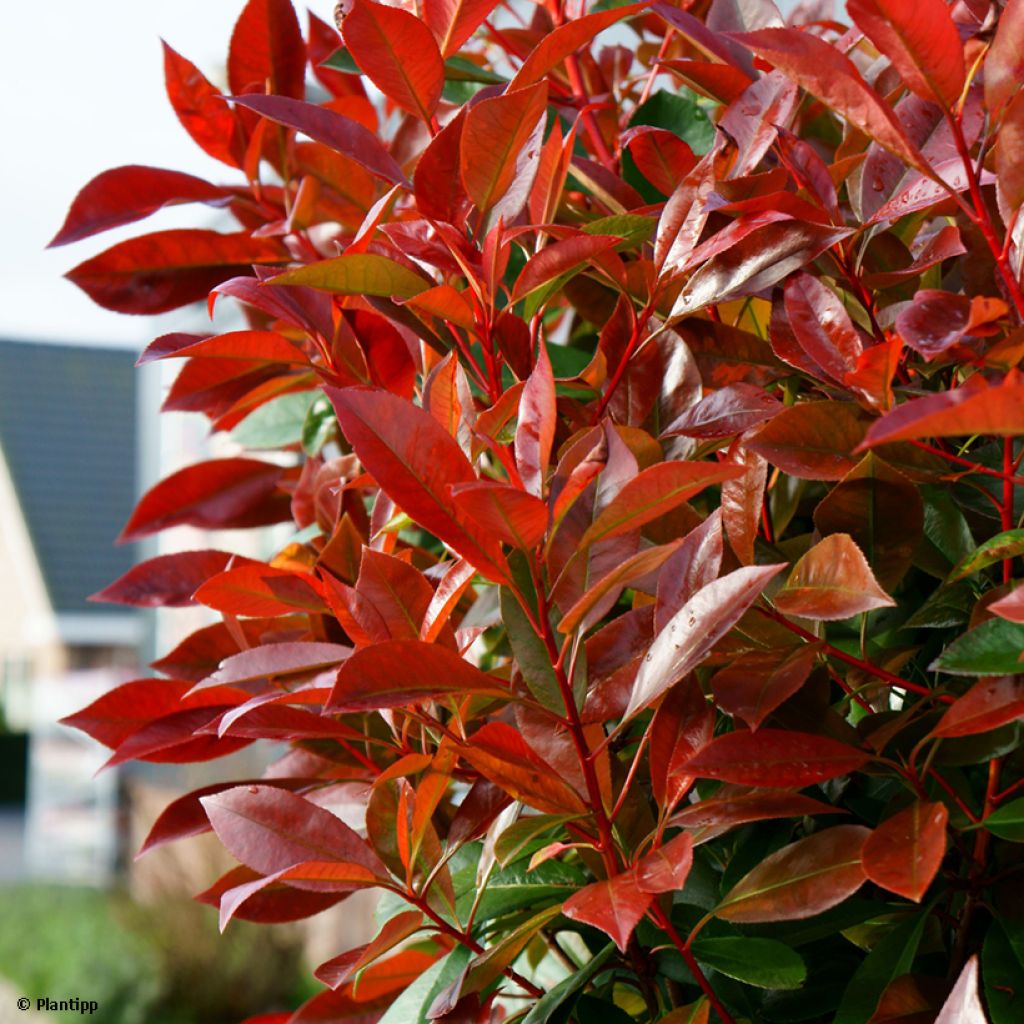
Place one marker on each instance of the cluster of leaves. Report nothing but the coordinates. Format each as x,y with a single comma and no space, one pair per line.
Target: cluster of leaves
646,406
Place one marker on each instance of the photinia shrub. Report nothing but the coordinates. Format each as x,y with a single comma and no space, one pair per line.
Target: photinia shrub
647,405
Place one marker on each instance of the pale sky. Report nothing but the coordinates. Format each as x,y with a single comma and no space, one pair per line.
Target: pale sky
82,91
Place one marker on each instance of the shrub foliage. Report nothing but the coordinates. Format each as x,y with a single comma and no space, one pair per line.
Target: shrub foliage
642,384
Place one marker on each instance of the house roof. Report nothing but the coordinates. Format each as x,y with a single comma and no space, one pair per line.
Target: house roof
68,433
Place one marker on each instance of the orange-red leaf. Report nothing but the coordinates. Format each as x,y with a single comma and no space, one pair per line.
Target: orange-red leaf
905,852
615,906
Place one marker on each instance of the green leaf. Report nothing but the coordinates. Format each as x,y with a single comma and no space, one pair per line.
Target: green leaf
947,537
318,426
515,887
1008,821
632,228
544,1009
531,655
341,60
992,649
677,112
764,963
891,957
361,273
459,69
276,423
1001,973
412,1005
1008,544
520,839
947,606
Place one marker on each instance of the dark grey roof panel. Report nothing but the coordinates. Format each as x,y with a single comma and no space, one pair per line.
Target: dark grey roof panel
68,432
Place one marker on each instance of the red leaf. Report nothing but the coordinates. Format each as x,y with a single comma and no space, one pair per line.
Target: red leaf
743,502
800,880
977,407
178,738
185,816
732,805
269,829
126,194
397,52
417,464
567,39
727,411
273,660
272,904
167,581
1004,63
213,125
987,705
1010,607
161,271
399,673
559,259
937,320
494,133
218,494
653,492
822,326
259,589
535,429
245,346
754,685
692,567
454,21
436,181
921,41
615,906
905,852
775,759
691,633
339,970
666,869
832,581
397,593
812,440
660,156
831,76
512,515
267,51
683,725
499,753
334,130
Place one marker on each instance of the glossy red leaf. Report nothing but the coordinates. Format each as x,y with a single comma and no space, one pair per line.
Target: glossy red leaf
754,685
987,705
397,52
339,970
653,492
397,593
417,463
559,259
167,581
267,50
832,581
614,906
269,903
666,869
334,130
812,440
905,852
211,123
683,725
694,565
1004,62
219,494
269,829
977,407
495,132
937,320
399,673
161,271
743,502
830,75
775,759
500,754
512,515
735,805
126,194
691,633
822,326
800,880
921,41
273,660
727,411
178,738
535,427
660,156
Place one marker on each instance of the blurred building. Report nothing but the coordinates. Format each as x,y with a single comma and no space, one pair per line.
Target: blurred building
68,480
